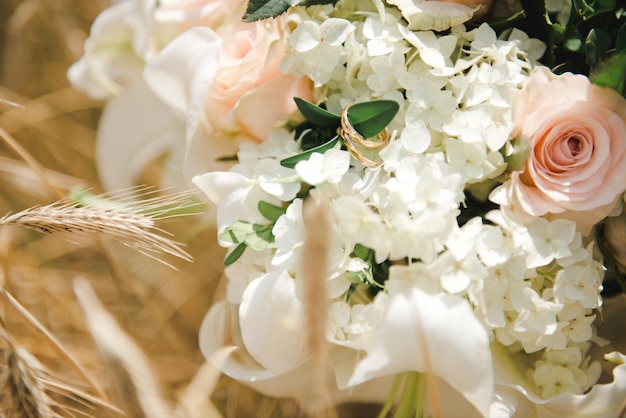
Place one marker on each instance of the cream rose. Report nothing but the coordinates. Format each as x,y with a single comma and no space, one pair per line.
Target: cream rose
250,93
576,168
238,94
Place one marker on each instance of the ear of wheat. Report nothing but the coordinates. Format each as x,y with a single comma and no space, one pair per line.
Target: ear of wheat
126,220
29,390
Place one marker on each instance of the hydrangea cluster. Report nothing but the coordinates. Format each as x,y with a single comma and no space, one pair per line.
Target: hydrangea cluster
421,221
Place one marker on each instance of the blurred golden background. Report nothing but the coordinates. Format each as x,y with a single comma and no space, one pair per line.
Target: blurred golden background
160,308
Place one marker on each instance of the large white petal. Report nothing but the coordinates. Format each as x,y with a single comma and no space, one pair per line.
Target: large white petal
235,196
109,62
135,128
183,72
442,327
272,324
297,383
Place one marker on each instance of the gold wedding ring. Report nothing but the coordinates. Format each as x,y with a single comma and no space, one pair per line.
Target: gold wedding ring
356,143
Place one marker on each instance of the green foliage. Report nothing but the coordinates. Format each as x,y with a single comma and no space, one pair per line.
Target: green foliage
611,73
316,115
264,9
367,118
292,161
370,118
375,275
247,235
271,212
594,33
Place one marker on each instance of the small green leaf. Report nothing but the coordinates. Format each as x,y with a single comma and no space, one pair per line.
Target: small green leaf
317,115
271,212
292,161
611,73
235,254
261,238
315,2
263,9
370,118
255,236
362,252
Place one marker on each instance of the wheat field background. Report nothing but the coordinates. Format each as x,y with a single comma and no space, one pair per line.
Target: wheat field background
131,349
41,320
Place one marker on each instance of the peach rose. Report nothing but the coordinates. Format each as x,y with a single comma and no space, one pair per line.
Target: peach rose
249,93
576,168
227,84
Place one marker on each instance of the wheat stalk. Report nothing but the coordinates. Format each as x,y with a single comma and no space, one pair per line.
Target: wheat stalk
136,391
22,391
125,221
314,273
29,390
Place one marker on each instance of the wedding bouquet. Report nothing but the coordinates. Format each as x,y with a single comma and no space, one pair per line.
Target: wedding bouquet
463,162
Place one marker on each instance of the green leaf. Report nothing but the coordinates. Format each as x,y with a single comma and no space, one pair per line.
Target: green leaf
362,252
317,115
271,212
292,161
370,118
611,73
263,9
314,2
255,236
235,254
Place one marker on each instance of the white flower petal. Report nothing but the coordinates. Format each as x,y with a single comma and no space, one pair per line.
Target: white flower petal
444,325
270,317
135,128
334,31
182,73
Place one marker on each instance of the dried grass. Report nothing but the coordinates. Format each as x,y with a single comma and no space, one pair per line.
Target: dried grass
132,224
52,131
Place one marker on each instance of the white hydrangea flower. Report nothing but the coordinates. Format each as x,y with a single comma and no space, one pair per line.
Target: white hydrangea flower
317,49
327,167
289,234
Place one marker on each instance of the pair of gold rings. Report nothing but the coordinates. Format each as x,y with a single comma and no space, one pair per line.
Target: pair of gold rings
357,144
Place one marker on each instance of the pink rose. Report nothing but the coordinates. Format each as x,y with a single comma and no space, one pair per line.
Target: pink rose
249,93
576,168
227,84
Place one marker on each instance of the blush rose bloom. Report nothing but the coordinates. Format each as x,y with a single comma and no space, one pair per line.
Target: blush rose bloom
240,96
576,168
